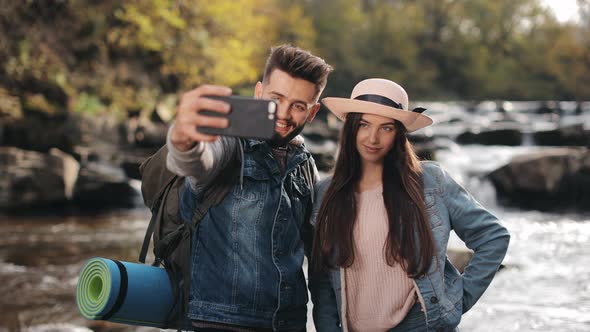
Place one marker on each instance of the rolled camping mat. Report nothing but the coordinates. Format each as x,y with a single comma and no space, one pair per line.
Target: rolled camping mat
122,292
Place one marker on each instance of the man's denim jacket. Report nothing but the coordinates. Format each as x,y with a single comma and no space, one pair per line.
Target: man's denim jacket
248,251
443,291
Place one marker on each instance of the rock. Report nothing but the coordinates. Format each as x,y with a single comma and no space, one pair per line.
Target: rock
98,130
549,179
549,107
71,167
322,141
32,178
319,131
131,168
56,180
150,135
10,106
495,135
38,103
41,132
101,185
324,162
324,153
132,158
572,135
424,146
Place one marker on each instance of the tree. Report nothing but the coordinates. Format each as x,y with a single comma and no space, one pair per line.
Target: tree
119,56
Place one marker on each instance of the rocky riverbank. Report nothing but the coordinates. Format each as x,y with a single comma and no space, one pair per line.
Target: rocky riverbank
76,161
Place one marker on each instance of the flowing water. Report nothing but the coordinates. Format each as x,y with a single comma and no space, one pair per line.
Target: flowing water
545,285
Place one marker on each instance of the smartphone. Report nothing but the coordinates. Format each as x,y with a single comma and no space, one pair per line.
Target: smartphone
248,117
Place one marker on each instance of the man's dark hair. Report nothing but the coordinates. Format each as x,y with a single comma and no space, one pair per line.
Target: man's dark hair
298,63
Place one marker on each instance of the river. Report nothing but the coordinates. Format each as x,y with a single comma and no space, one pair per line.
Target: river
545,285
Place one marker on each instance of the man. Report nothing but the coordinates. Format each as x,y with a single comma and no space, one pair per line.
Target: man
248,250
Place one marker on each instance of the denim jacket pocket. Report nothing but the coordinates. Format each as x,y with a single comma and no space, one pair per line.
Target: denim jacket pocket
253,185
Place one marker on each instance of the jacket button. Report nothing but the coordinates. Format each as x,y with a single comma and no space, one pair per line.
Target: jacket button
434,299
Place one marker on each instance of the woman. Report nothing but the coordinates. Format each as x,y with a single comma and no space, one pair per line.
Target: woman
382,223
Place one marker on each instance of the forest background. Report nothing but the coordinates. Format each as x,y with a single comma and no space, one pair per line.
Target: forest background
129,57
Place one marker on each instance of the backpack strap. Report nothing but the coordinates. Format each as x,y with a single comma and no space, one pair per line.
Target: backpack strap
154,177
307,229
155,186
148,236
310,173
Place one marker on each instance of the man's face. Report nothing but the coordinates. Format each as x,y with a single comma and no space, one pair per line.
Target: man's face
296,100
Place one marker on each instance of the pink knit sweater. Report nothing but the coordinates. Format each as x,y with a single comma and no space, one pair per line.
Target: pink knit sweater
378,296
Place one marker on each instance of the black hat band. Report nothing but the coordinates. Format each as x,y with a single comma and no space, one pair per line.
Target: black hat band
380,100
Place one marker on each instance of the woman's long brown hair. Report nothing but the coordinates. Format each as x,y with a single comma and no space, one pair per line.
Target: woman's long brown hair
409,240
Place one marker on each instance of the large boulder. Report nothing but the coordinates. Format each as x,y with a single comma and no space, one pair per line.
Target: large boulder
500,134
570,135
548,179
42,132
56,179
425,146
30,178
132,157
324,153
99,185
150,135
65,131
10,107
321,139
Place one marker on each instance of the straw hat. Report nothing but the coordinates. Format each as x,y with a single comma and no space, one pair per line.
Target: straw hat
381,97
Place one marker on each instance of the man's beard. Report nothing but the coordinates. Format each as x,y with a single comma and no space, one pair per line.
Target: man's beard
278,140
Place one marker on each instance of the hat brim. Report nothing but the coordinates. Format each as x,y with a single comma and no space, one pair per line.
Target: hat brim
342,106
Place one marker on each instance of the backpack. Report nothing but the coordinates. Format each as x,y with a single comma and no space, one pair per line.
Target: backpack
161,190
172,235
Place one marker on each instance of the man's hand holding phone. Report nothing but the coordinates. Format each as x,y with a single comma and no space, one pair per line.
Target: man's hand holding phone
209,111
185,134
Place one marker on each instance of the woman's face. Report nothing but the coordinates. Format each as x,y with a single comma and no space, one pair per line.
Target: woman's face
375,137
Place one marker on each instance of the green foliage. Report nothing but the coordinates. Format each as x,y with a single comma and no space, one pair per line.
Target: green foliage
112,56
89,104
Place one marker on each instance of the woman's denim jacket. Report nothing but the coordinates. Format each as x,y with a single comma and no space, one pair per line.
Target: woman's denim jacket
249,250
443,291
